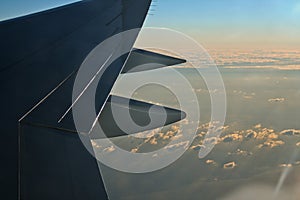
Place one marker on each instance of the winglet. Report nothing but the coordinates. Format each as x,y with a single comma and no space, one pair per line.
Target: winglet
142,60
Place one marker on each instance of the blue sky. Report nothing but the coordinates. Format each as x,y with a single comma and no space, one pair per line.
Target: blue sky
232,22
265,23
12,8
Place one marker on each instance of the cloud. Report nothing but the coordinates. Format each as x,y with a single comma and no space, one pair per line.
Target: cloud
275,59
232,137
168,135
210,140
262,136
251,134
197,147
240,152
276,100
229,165
109,149
290,132
264,133
247,97
258,126
172,147
153,141
210,162
95,145
285,165
134,150
271,143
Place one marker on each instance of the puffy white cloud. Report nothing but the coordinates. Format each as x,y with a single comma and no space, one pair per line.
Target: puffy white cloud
197,147
264,133
210,140
232,137
276,100
240,152
109,149
258,126
290,132
153,141
271,143
229,165
210,162
285,165
95,144
250,134
184,144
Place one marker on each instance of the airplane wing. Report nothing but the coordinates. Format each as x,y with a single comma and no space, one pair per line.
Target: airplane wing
43,157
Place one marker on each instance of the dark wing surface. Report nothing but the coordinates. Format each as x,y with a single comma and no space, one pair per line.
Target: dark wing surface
39,52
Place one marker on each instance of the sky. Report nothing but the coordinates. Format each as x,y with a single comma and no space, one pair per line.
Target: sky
213,23
261,23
